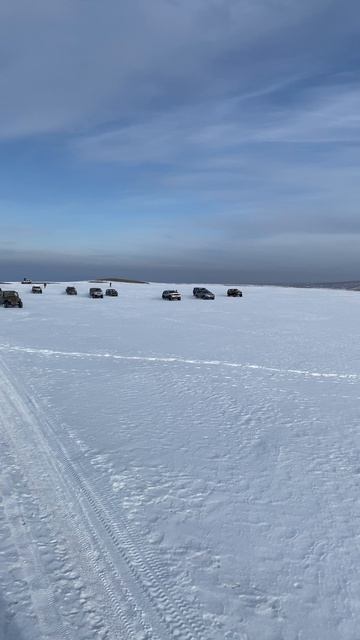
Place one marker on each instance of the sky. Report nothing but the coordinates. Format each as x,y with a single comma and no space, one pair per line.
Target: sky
180,140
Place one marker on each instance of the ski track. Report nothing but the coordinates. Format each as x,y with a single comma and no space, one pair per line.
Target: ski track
79,590
176,360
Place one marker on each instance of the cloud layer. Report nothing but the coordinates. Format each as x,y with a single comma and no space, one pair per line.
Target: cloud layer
183,137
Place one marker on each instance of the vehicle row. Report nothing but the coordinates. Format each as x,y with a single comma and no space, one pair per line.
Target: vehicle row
199,292
168,294
96,292
12,298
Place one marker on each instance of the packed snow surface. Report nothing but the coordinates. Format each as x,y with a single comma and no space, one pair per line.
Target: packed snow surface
180,470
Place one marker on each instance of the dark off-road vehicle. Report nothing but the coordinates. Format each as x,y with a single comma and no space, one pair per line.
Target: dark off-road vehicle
235,293
71,291
171,295
10,299
36,289
203,293
111,292
96,292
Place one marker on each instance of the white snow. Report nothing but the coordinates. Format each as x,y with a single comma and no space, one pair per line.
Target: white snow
180,470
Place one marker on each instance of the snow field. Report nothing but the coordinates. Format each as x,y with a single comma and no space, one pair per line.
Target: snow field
180,469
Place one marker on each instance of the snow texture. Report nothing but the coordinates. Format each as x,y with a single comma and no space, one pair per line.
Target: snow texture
180,470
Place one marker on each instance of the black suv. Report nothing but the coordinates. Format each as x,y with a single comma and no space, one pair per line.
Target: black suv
36,289
71,291
111,292
235,293
10,299
171,295
202,292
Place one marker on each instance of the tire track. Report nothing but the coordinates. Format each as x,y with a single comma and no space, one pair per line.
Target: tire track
143,565
53,491
161,601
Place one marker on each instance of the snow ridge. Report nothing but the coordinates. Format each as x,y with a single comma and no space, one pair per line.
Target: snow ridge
173,359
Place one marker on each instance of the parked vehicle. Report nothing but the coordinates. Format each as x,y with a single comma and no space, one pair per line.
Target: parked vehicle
10,299
26,281
235,293
111,292
36,289
96,292
71,291
203,293
171,295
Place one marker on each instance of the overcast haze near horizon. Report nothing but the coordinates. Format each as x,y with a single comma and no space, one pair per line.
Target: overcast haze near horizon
212,140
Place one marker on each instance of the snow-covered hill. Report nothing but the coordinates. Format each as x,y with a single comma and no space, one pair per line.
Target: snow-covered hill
180,470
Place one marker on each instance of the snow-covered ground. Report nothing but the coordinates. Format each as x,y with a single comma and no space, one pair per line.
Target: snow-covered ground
180,470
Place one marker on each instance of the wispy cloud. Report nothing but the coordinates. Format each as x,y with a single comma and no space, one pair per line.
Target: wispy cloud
70,64
327,115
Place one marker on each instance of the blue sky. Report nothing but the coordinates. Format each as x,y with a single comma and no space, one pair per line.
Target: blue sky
213,140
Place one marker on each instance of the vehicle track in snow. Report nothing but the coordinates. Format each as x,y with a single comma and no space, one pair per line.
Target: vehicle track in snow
119,575
80,588
330,375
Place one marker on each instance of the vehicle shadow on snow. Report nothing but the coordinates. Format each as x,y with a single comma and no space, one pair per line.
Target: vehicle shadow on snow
9,630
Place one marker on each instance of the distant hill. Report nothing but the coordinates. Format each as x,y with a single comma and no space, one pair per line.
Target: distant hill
115,279
352,285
